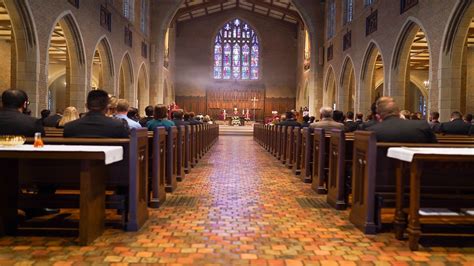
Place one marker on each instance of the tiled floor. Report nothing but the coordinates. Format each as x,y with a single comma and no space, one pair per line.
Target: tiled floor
240,209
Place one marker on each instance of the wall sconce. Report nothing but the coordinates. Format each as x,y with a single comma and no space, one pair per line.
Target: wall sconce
427,84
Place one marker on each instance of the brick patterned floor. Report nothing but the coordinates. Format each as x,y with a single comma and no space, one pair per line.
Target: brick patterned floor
240,209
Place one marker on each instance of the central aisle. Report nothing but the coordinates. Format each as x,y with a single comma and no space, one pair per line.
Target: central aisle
237,207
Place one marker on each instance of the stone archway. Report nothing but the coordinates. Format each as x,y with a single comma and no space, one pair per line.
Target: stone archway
330,91
372,75
21,55
126,80
66,54
411,61
346,94
102,68
143,89
450,79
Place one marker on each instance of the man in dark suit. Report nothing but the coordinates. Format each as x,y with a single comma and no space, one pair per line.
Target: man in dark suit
290,120
350,124
95,124
374,120
52,120
434,121
394,129
456,126
149,115
12,119
178,118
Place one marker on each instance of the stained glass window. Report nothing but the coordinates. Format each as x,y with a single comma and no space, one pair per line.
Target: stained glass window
236,52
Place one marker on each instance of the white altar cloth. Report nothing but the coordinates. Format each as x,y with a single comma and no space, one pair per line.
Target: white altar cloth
112,153
407,154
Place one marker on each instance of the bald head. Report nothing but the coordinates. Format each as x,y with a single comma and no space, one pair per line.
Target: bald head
387,107
326,112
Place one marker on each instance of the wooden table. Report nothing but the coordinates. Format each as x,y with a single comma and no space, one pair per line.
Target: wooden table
415,158
93,161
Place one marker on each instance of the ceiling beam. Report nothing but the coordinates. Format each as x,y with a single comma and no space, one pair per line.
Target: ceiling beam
190,9
280,9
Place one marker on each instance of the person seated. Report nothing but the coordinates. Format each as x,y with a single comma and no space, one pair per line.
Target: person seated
52,120
359,119
434,121
112,106
44,114
468,119
178,118
121,113
305,121
149,116
133,114
456,126
350,124
192,119
405,114
207,120
372,118
290,120
327,122
95,123
70,114
160,115
12,119
395,129
338,116
312,119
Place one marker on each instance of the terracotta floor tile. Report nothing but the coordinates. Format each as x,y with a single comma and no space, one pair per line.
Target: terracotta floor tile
246,213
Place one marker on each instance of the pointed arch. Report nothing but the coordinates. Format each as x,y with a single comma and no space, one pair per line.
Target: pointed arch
24,67
126,79
347,83
405,63
72,60
143,91
102,66
372,73
236,52
454,93
330,88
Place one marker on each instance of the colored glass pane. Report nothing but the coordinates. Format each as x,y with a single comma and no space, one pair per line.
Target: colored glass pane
236,52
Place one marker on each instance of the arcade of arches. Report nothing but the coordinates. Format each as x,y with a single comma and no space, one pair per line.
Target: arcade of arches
257,55
59,58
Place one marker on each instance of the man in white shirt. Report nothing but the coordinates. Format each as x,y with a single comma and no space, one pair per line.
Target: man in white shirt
122,110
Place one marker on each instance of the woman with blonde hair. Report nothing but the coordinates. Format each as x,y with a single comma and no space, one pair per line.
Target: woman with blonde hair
70,114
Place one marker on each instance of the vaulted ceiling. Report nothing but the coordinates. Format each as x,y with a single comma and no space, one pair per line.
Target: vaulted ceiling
419,52
277,9
5,25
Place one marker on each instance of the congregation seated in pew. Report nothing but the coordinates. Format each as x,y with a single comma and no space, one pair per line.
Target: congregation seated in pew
392,128
160,118
327,122
95,124
457,126
122,113
70,114
13,121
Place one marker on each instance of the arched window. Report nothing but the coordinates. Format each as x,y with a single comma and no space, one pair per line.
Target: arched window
236,52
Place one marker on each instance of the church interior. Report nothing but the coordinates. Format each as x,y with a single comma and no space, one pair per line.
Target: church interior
239,180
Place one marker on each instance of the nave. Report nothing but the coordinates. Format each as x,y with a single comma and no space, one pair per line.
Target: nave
237,207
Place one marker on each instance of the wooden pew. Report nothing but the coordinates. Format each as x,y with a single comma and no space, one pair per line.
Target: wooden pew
290,148
340,163
171,159
181,156
298,148
307,154
373,180
127,178
283,144
157,144
319,161
187,149
53,132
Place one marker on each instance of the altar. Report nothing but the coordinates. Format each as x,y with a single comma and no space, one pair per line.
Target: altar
247,103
